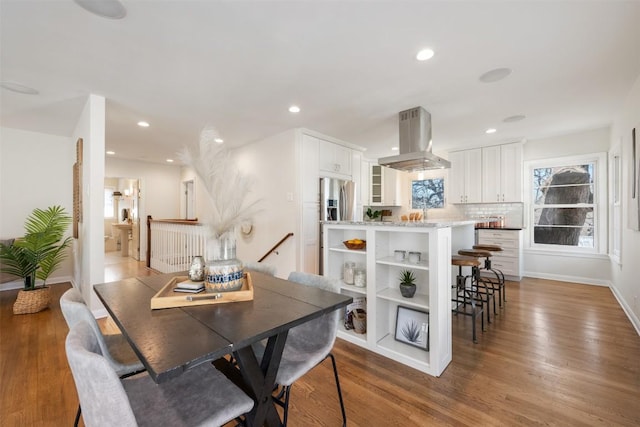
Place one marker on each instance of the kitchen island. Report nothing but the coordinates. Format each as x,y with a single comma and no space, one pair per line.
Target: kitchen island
435,241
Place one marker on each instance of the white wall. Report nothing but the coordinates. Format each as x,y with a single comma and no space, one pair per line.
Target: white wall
272,163
591,269
626,284
159,190
89,247
586,142
36,171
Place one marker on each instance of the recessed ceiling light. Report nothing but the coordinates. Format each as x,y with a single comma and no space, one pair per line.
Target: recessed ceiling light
515,118
424,54
169,160
294,109
495,75
143,124
218,140
490,130
394,148
19,88
111,153
111,9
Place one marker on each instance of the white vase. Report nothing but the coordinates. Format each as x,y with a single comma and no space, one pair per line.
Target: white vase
224,272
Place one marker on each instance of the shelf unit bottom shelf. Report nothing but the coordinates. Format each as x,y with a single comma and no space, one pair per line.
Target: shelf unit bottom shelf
352,337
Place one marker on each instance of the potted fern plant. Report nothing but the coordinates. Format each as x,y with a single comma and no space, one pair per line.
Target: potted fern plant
407,283
36,255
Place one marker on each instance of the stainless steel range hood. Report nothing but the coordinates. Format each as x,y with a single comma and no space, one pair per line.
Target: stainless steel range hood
415,144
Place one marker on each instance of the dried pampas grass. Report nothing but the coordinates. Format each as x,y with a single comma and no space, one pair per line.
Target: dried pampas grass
228,190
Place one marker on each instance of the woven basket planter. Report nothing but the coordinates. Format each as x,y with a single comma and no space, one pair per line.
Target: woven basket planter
32,301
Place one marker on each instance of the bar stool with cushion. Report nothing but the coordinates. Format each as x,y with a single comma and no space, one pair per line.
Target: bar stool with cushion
465,295
114,347
200,396
485,285
487,266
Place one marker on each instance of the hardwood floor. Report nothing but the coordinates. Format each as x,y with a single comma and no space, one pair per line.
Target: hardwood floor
117,267
559,354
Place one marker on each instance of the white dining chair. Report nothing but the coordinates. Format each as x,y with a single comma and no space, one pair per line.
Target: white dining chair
114,347
201,396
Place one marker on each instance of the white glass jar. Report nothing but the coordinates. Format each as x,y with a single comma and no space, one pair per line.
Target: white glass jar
399,255
360,278
348,272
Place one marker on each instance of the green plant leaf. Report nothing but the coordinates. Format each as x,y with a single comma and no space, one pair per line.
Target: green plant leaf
41,250
407,277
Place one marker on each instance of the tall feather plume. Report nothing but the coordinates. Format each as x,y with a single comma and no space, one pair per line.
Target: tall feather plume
228,190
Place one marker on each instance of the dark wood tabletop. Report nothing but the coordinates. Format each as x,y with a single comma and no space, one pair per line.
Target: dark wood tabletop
169,341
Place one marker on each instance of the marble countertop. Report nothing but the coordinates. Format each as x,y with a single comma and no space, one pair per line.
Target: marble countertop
435,223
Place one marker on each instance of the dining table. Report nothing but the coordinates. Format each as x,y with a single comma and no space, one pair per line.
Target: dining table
172,340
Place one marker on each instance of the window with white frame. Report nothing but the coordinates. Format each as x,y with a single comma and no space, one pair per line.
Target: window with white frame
615,202
567,204
109,208
427,193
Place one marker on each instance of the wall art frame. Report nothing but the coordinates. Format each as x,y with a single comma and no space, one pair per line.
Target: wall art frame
634,184
412,327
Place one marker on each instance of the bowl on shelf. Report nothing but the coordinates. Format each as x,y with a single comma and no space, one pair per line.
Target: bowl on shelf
355,244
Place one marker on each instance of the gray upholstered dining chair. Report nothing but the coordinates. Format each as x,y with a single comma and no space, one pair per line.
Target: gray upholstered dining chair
308,344
261,267
114,348
201,396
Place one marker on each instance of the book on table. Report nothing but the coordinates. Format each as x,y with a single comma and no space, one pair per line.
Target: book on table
189,286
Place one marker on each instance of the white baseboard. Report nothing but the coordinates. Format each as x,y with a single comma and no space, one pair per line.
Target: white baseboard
563,278
14,284
19,283
630,314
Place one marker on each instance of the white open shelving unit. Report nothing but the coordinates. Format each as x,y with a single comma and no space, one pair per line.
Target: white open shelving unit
433,294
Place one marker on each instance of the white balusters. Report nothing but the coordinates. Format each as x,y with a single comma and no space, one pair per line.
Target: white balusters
174,244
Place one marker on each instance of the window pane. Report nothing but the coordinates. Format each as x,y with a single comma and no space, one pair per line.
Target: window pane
563,185
427,193
564,226
108,203
566,236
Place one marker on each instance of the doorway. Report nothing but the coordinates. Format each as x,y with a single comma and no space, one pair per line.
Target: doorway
121,217
189,199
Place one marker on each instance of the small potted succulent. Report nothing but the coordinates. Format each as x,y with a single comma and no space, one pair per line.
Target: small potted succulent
373,215
407,283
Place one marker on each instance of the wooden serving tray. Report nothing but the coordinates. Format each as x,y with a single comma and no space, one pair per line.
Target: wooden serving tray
168,298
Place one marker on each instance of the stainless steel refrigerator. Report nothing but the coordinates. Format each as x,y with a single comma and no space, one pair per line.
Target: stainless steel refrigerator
337,203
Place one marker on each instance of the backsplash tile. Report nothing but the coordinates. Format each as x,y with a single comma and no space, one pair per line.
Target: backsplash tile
513,212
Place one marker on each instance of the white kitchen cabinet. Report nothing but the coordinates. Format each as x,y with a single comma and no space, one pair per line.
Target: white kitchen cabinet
335,158
502,173
393,187
465,176
376,182
382,294
386,186
365,183
509,261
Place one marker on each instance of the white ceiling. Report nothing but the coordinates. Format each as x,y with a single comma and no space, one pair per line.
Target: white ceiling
350,66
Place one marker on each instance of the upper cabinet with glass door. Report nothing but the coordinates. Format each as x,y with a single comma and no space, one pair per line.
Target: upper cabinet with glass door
386,186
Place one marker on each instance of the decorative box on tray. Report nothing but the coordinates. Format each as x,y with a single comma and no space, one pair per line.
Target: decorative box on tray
168,297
